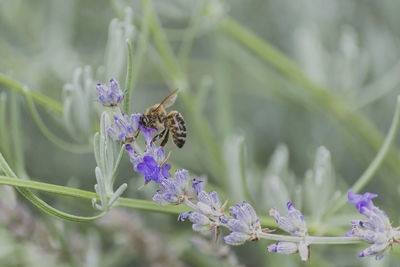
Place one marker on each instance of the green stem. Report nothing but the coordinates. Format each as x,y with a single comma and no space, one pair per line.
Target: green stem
142,44
4,140
37,97
325,99
160,40
83,194
190,34
16,139
117,164
70,147
328,240
178,78
375,164
121,202
128,85
40,203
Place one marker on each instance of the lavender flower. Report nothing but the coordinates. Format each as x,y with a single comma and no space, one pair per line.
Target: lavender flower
175,191
124,127
377,230
209,211
283,247
294,224
361,201
244,226
151,163
198,185
110,97
200,222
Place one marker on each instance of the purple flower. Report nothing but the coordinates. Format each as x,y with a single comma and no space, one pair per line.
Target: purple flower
147,133
110,97
244,226
152,171
151,164
174,191
201,223
283,247
364,200
124,128
295,224
377,230
198,185
208,206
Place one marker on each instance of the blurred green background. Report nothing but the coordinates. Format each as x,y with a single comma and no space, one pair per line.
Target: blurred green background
264,84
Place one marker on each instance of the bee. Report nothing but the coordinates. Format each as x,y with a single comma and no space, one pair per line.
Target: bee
171,122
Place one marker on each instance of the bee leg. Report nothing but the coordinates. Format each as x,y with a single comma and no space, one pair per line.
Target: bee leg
158,136
164,142
136,134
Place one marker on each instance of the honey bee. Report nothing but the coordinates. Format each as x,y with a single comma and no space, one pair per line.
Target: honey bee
171,122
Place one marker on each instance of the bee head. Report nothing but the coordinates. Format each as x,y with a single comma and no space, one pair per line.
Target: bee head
144,120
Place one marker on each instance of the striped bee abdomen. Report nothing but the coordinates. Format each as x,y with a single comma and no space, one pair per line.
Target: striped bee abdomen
176,126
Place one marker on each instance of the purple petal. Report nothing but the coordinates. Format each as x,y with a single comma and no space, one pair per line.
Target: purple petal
237,226
236,238
165,171
360,201
197,185
183,216
283,248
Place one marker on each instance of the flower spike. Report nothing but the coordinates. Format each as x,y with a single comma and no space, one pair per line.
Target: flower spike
295,224
377,230
109,96
124,127
244,226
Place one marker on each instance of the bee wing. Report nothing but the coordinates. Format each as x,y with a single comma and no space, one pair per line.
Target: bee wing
170,99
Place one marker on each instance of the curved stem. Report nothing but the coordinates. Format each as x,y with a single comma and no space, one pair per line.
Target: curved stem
178,79
375,164
70,147
190,34
117,163
322,97
15,118
142,45
4,140
35,200
36,96
83,194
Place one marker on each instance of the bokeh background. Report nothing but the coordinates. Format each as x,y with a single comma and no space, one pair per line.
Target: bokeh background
282,93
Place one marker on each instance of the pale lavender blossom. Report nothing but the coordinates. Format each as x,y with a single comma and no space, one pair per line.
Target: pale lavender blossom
208,206
245,226
283,247
295,224
377,230
200,222
124,127
109,96
175,190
